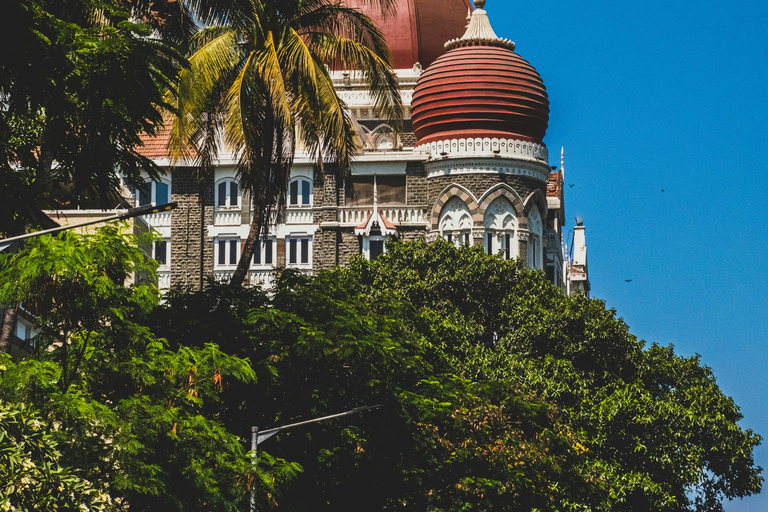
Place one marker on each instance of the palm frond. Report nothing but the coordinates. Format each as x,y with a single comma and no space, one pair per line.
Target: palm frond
323,116
201,90
347,39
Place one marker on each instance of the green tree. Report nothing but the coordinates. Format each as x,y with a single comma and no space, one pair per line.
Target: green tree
656,432
440,441
80,87
134,417
30,470
258,80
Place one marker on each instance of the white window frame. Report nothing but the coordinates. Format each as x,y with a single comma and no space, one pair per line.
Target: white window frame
153,192
167,264
261,250
300,180
534,258
501,225
228,197
298,263
373,238
228,240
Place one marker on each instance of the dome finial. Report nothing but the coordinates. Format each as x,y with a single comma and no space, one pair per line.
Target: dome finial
479,31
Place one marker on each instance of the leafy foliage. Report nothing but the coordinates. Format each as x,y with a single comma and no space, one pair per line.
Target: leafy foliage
654,430
29,467
79,88
497,392
134,417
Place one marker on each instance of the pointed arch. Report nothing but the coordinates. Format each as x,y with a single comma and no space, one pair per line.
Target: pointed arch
454,190
538,198
502,190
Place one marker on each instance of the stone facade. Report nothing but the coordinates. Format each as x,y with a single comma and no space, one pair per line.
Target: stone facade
192,252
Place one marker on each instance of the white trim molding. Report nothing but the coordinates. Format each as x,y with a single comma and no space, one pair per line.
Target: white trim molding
450,167
520,149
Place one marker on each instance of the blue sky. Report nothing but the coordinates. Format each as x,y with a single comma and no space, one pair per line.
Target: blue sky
673,96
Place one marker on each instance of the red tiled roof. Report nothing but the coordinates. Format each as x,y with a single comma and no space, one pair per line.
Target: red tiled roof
555,185
156,146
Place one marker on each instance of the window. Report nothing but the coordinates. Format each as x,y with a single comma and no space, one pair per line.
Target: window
535,246
227,251
161,252
153,193
264,254
500,223
456,222
299,249
374,246
300,192
358,190
227,194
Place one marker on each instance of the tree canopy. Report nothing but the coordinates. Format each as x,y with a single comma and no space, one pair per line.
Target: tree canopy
497,392
79,84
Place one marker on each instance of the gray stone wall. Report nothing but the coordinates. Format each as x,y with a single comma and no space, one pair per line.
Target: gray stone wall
416,186
349,246
191,249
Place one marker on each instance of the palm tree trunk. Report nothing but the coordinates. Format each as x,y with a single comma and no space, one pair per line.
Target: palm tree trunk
247,253
9,327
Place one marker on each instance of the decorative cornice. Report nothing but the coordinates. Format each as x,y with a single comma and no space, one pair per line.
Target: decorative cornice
474,147
480,32
453,167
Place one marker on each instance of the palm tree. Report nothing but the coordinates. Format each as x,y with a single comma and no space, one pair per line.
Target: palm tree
258,80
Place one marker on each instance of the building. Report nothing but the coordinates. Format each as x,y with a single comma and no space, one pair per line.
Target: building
470,167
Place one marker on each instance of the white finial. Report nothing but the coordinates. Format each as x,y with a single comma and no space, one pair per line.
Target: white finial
375,198
562,162
479,31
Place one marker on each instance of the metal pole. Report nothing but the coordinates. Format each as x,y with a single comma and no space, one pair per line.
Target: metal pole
266,434
132,212
254,463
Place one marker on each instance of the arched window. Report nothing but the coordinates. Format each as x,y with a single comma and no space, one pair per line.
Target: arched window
456,222
153,193
227,194
500,224
535,246
300,192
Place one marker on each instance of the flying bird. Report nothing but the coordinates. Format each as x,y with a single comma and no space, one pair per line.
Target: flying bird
571,185
627,280
662,190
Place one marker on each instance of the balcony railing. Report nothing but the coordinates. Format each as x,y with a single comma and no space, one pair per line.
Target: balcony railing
158,220
299,216
264,278
164,280
228,218
399,215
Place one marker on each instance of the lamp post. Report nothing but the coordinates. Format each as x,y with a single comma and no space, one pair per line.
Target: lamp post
5,243
258,437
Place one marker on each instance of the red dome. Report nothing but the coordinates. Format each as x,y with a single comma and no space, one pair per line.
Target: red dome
480,90
420,28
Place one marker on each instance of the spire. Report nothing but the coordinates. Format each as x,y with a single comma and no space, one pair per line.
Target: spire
479,32
375,198
562,162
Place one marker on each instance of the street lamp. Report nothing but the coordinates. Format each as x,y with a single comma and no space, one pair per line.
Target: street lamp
258,437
